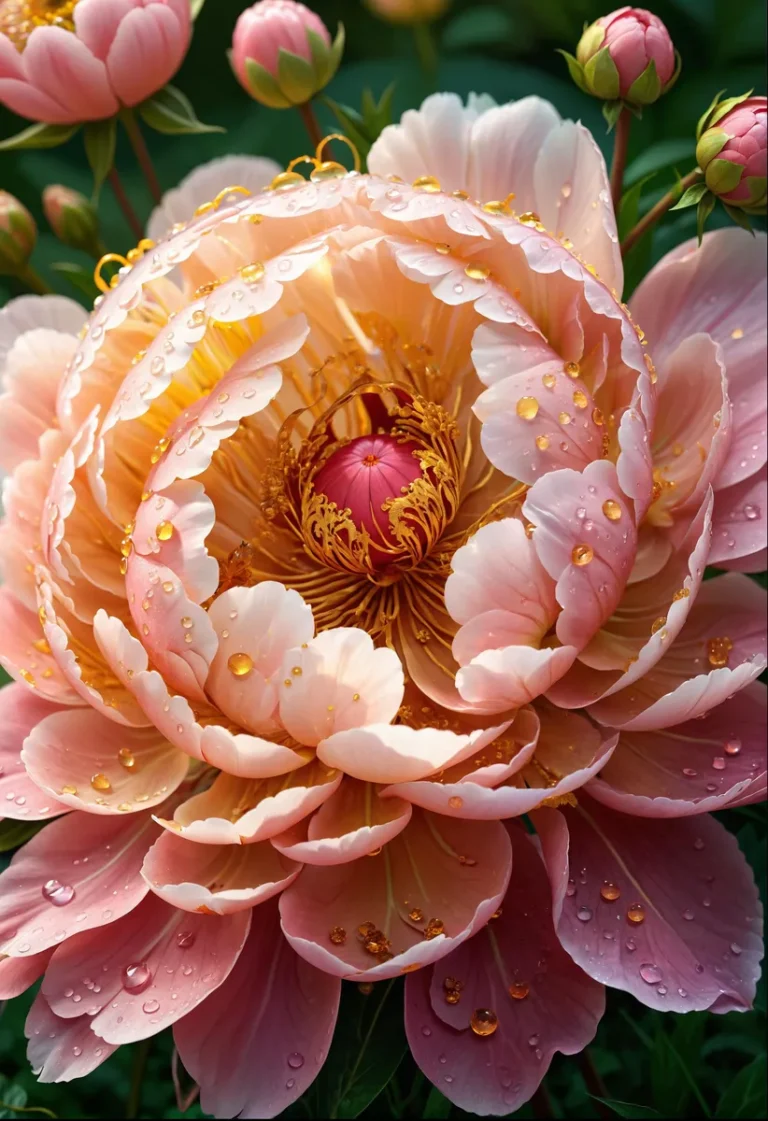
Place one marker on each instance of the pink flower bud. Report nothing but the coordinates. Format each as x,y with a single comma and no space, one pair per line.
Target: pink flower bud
616,53
73,218
408,11
18,234
81,60
732,152
282,53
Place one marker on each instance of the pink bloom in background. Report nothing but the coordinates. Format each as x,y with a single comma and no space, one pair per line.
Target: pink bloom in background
335,544
740,138
634,38
94,57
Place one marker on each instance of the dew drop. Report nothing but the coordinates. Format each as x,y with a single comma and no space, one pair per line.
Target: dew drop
732,747
718,763
185,939
483,1022
636,913
136,977
150,1006
688,915
650,973
584,914
609,892
295,1060
57,893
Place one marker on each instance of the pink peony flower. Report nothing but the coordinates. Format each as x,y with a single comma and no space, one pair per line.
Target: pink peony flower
282,53
81,60
633,39
732,152
358,523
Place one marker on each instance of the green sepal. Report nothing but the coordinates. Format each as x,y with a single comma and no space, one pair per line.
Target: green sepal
691,197
80,278
170,112
195,8
725,106
739,217
590,42
705,115
601,75
39,136
295,76
337,50
758,195
576,70
723,176
646,88
712,141
675,72
264,88
612,110
100,142
705,208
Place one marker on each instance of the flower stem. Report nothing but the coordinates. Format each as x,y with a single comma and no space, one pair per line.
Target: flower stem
140,1056
124,203
34,281
311,124
659,210
621,143
426,50
141,152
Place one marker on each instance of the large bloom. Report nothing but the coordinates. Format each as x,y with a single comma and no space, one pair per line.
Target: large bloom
67,61
359,519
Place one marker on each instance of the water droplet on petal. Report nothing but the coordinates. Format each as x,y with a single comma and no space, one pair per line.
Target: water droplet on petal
636,913
136,977
650,974
718,763
584,914
484,1022
150,1006
185,939
609,891
733,747
57,893
295,1061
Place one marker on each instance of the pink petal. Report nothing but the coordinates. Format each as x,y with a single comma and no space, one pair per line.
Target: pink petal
28,406
26,655
720,289
97,22
496,680
336,683
20,797
261,624
62,1050
739,525
238,811
450,872
353,823
589,554
684,684
190,955
185,506
555,1006
570,751
697,767
156,36
698,942
65,70
78,750
18,974
95,856
247,756
18,95
433,140
274,1006
215,879
398,753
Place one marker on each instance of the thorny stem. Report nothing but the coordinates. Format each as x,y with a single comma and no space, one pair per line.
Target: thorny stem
621,143
659,210
124,203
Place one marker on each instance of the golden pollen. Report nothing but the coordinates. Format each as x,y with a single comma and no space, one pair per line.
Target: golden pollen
240,665
582,555
370,460
527,408
484,1022
612,510
19,18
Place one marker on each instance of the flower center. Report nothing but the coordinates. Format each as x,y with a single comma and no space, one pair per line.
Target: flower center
19,18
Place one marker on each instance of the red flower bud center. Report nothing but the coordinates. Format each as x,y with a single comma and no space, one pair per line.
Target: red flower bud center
364,475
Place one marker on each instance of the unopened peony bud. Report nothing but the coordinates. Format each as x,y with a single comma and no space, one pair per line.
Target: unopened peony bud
282,53
18,235
627,56
408,11
731,151
73,219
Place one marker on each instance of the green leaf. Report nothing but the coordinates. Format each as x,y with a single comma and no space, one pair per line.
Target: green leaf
437,1105
171,113
629,210
12,1098
367,1048
739,217
79,277
627,1109
746,1094
100,142
663,154
196,7
691,197
13,834
671,1078
39,136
